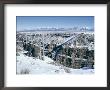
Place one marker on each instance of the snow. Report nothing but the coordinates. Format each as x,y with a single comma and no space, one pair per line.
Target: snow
36,66
81,46
91,46
47,66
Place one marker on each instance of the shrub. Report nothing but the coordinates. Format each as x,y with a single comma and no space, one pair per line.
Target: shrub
25,71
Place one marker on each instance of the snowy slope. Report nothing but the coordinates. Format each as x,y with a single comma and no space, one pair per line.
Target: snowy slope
36,66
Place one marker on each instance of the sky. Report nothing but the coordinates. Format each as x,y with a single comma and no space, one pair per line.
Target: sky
34,22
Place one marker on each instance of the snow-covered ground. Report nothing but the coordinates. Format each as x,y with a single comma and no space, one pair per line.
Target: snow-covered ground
31,65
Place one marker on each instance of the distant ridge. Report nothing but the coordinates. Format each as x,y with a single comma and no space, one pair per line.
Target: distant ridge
59,29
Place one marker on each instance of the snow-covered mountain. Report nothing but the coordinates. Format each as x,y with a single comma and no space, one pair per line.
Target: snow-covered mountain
32,65
75,29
